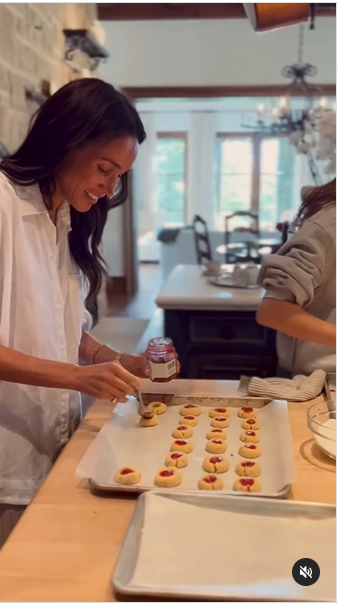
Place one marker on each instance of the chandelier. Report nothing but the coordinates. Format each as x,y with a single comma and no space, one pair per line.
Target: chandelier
311,128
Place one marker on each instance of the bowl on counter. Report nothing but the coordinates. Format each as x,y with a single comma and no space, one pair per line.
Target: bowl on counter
322,423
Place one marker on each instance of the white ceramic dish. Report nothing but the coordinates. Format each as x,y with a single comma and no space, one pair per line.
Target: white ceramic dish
322,423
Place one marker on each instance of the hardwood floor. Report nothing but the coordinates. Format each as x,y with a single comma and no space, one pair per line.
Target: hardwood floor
141,306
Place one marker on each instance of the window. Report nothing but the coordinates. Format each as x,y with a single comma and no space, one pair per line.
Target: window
254,173
170,168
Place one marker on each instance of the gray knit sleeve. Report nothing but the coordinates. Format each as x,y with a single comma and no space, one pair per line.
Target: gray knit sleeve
302,265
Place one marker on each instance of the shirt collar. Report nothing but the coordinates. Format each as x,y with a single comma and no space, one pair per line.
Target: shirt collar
33,204
31,198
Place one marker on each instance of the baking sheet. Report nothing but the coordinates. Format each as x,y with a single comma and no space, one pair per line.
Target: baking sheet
232,548
122,442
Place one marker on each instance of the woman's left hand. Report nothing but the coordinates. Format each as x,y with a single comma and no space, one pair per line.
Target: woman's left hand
136,364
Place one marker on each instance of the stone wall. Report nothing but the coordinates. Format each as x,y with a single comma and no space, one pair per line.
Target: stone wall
32,49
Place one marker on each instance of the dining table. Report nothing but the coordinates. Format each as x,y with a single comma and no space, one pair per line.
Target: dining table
245,249
66,544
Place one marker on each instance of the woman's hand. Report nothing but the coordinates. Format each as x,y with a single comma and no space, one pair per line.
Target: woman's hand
105,381
136,364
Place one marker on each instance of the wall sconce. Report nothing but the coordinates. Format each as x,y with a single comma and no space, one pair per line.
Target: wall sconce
38,96
84,41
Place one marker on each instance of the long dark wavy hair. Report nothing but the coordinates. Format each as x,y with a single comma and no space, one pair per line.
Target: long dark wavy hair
82,111
315,199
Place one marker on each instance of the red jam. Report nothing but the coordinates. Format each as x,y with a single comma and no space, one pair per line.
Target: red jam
190,406
181,428
126,471
220,410
217,441
210,479
248,464
247,482
216,459
218,430
251,421
162,351
250,433
189,417
176,455
181,443
166,473
221,419
247,409
250,446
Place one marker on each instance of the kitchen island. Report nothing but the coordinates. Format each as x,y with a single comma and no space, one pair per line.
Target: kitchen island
214,328
67,543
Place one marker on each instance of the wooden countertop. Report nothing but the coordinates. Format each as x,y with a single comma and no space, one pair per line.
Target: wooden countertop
66,545
187,289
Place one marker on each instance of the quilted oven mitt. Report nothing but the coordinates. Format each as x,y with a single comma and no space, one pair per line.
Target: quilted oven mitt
300,389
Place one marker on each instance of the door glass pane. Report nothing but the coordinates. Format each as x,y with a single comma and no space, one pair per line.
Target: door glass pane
234,175
276,181
234,163
170,180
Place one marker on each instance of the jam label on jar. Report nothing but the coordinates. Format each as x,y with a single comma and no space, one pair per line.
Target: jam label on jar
162,370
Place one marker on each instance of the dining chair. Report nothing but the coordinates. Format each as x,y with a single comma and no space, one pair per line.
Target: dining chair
202,241
241,251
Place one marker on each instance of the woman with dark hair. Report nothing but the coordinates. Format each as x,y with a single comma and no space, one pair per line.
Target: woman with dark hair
300,284
55,193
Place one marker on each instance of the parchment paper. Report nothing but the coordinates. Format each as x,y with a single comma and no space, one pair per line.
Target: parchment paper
122,442
195,547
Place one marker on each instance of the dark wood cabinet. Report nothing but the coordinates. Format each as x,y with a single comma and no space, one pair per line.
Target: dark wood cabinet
220,345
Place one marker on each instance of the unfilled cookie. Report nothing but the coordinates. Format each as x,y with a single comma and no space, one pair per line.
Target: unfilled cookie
188,420
190,409
220,422
127,475
246,412
181,445
250,424
215,464
249,437
176,459
217,411
216,445
216,433
168,478
250,451
248,468
157,407
182,431
210,482
250,485
148,422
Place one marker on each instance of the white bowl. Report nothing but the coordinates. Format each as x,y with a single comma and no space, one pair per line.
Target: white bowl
322,424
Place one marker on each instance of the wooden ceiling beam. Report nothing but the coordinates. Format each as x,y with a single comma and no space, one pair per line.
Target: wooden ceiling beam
205,92
147,12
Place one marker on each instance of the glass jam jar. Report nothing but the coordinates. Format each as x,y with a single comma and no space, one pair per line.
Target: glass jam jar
162,360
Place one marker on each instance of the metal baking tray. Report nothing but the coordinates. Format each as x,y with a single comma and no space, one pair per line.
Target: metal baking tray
122,442
211,548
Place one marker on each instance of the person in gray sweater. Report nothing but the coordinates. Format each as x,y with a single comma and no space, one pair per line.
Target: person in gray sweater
300,284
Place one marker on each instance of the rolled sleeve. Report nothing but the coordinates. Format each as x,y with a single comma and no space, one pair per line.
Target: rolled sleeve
299,268
87,320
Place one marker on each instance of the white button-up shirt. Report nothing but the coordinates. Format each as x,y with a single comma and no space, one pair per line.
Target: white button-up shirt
42,313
